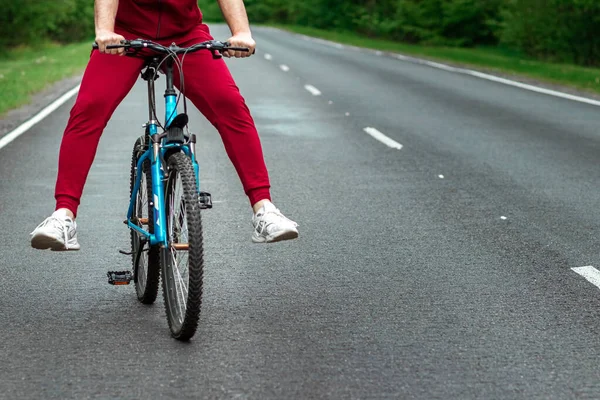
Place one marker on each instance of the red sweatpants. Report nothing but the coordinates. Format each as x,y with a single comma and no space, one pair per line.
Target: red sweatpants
208,85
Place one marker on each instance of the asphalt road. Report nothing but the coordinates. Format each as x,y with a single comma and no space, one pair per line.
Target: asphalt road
442,270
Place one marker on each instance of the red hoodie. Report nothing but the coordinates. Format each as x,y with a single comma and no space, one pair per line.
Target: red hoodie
158,19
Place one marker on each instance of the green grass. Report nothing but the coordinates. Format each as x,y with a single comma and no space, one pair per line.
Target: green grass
496,60
26,71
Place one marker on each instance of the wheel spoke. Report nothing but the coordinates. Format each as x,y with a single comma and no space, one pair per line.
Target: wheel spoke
182,258
176,220
182,285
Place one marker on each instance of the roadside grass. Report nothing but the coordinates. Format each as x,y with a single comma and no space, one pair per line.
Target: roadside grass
502,61
26,71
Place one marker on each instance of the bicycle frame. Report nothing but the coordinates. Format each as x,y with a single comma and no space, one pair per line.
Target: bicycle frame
156,152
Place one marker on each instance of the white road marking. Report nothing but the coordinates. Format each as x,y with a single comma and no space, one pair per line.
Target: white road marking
441,176
347,114
503,81
38,117
472,73
330,102
590,273
313,90
382,138
323,41
284,67
268,56
503,217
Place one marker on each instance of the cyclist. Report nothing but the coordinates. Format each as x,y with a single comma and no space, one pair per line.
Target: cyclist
108,78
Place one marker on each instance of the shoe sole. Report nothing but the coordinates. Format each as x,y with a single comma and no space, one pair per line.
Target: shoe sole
42,242
284,236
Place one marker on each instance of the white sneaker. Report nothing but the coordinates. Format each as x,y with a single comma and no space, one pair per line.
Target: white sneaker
270,225
57,233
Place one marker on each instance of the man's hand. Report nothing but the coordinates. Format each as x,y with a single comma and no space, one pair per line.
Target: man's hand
105,37
241,40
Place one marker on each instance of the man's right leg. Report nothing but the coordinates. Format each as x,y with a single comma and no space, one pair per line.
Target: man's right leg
106,81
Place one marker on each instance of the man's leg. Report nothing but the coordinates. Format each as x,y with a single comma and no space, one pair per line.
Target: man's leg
210,86
106,81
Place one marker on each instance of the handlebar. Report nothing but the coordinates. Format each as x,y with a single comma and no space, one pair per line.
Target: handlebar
139,44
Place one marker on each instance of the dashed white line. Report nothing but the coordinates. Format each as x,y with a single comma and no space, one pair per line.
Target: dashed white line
38,117
284,68
590,273
313,90
347,114
472,73
268,56
441,176
503,217
383,138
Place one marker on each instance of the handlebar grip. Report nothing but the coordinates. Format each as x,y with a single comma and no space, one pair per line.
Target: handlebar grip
110,46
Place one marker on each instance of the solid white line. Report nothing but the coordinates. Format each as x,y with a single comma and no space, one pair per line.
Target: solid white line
476,74
37,118
284,67
590,273
313,90
382,138
534,88
268,56
504,81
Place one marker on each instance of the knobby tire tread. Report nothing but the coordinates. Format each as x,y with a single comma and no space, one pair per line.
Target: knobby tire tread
181,163
148,296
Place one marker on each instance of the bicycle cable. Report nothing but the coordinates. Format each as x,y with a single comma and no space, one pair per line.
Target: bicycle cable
179,63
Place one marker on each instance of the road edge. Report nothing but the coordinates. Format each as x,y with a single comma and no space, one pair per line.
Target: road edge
16,118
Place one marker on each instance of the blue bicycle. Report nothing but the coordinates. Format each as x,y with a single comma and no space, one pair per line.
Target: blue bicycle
164,209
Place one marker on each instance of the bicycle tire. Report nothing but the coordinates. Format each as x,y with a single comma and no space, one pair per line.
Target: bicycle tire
146,269
184,226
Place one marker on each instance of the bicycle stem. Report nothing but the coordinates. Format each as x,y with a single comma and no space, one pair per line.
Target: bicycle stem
170,94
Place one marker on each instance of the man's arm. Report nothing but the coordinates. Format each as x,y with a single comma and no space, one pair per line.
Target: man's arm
105,12
235,15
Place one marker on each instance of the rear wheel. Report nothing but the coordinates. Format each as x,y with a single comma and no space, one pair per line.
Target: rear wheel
182,261
146,267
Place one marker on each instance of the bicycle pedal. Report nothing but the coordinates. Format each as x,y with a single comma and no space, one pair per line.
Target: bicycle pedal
119,277
205,200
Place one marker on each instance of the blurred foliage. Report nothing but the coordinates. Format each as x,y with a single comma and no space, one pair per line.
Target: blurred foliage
29,22
557,30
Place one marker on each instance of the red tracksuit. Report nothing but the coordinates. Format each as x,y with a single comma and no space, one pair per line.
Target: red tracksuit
208,84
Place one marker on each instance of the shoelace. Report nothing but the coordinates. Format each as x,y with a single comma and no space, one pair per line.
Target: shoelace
62,226
268,222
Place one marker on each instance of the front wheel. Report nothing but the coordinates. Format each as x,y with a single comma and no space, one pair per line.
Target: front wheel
182,261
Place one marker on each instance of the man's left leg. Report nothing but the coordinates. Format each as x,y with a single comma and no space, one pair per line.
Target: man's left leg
210,86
